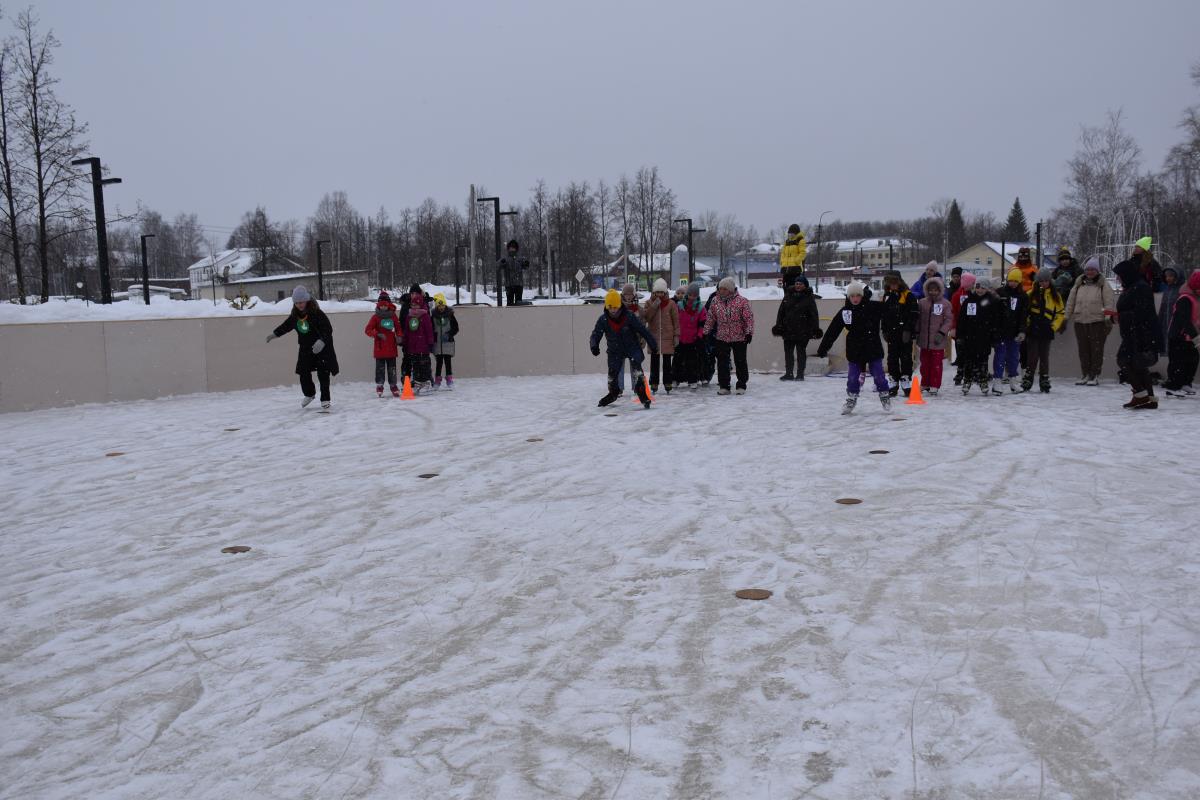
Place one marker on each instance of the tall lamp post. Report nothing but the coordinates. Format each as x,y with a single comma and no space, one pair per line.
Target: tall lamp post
819,226
495,201
321,271
509,213
145,269
98,184
691,249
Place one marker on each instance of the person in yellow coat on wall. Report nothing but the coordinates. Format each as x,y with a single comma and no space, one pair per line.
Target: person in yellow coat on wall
791,256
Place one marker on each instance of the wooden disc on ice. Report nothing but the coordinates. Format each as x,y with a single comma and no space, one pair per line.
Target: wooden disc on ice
231,430
534,439
428,475
879,452
610,415
237,548
848,501
752,594
113,453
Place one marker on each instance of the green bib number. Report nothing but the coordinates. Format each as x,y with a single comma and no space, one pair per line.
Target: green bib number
387,324
413,323
302,326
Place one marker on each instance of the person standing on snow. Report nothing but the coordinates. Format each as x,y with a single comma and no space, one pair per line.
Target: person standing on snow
791,257
965,285
797,323
661,317
934,322
899,322
1014,317
418,340
1183,337
931,271
731,319
445,328
1028,269
620,330
861,320
1045,320
976,331
1166,304
691,338
384,328
1140,334
314,335
1147,267
513,266
1090,309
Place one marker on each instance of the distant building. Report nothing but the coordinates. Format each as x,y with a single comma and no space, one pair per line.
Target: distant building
864,259
271,278
642,271
985,258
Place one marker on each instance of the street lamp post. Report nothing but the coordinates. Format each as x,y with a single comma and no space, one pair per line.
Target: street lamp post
509,213
495,201
98,184
819,221
321,271
691,249
145,269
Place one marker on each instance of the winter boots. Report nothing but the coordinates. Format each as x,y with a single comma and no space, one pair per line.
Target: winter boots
379,391
851,402
787,376
1027,381
1044,384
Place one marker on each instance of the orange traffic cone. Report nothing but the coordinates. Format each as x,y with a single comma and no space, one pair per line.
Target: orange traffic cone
646,385
914,394
407,394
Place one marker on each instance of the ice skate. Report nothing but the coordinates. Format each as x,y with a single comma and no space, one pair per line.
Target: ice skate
905,385
437,383
1083,381
722,391
848,406
966,388
932,392
692,385
885,400
449,383
379,392
1012,385
787,376
1095,381
1027,382
395,391
1189,390
893,388
304,403
1044,384
667,388
325,406
608,399
740,390
996,390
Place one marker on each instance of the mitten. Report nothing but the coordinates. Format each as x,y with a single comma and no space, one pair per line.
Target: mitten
595,351
776,330
318,346
271,336
749,336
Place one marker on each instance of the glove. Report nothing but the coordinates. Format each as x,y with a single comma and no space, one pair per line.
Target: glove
595,351
776,330
271,336
749,336
1020,338
318,346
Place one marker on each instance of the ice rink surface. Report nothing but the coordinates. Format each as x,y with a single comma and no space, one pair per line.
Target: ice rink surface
1011,612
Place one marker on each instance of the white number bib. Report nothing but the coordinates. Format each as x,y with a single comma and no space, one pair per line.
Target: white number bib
1012,304
970,309
847,316
937,309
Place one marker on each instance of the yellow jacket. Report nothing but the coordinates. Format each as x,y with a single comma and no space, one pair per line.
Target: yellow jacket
793,252
1045,309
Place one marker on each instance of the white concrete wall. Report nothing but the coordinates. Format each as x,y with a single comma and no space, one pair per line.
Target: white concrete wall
48,365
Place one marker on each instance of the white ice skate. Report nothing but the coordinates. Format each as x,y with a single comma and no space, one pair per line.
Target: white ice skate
848,406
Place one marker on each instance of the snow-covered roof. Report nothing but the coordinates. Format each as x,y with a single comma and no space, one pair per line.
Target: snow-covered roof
870,242
237,261
298,275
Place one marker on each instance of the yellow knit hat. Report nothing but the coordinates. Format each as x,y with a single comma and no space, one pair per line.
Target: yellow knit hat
1016,275
612,299
440,299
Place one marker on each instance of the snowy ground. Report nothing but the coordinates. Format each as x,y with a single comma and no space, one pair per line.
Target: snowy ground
1010,613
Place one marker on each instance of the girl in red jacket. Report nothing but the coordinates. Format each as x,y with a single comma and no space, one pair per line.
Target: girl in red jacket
384,328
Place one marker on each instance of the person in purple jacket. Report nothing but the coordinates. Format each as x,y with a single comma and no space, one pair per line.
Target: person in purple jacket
418,341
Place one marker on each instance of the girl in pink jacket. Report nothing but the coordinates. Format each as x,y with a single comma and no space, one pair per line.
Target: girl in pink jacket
691,333
935,318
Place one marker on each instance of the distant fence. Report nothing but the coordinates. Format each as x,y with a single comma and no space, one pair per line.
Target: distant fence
47,365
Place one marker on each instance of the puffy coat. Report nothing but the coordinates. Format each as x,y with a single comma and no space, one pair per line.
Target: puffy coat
384,328
1185,318
935,320
445,328
663,322
861,323
1045,313
311,325
418,330
731,318
1089,299
918,288
798,318
1063,278
620,334
1141,336
1014,311
1028,275
1166,303
899,314
691,322
979,319
514,268
793,251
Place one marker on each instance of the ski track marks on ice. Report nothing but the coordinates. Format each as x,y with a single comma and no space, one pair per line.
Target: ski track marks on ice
1010,612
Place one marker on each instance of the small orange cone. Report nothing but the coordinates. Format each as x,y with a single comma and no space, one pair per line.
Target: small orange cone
914,394
649,394
407,394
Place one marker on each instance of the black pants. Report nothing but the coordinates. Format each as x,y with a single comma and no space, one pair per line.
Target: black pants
445,361
512,294
406,366
789,275
687,363
388,364
306,384
668,373
615,365
795,354
900,360
421,368
973,361
708,358
1037,356
1137,372
738,350
1181,369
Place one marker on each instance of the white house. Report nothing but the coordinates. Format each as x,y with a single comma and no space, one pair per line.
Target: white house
231,266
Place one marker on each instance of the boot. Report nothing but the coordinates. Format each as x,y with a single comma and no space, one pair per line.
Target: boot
996,390
885,400
608,399
379,391
395,390
1027,381
787,376
1044,384
851,401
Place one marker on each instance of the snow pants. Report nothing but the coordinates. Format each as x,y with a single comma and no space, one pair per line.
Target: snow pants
1181,368
667,372
616,371
306,384
1007,358
899,355
931,368
738,351
513,293
795,354
421,368
854,376
387,365
1037,356
973,356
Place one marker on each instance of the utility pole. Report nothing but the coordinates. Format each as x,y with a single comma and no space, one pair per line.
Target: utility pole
1039,245
691,248
145,269
320,271
98,184
495,201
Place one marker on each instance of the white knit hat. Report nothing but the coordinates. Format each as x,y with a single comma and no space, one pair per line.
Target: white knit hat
660,285
855,287
727,283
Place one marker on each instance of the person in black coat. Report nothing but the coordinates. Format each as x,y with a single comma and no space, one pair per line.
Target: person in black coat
796,323
861,319
1014,314
899,326
620,330
976,331
1140,333
514,267
314,335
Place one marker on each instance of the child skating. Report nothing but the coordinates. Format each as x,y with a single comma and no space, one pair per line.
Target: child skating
935,319
314,336
1045,319
861,319
418,341
384,329
975,332
445,328
899,321
1014,314
620,329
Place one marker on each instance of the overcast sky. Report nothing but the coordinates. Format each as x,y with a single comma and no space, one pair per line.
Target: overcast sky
775,111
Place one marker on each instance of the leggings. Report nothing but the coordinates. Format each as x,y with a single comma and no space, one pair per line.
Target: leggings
385,365
306,384
853,376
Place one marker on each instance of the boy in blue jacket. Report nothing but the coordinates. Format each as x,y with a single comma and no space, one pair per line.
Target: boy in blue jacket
621,330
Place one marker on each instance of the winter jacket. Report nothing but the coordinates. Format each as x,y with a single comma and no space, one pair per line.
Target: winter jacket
979,319
1089,299
861,323
918,288
793,252
445,328
620,334
1028,275
935,320
384,329
1141,336
418,330
1045,313
514,267
1184,317
798,318
1063,278
1014,312
1166,305
1152,273
310,326
956,300
663,322
899,315
730,318
691,322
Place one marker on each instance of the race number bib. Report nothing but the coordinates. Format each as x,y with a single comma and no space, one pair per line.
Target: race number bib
847,316
970,309
302,326
413,323
1012,304
937,309
387,324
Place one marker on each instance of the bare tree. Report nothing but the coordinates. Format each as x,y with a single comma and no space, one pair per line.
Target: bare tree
9,164
1100,176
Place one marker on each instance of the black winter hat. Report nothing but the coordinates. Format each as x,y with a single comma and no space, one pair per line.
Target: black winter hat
512,245
416,287
793,228
956,271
